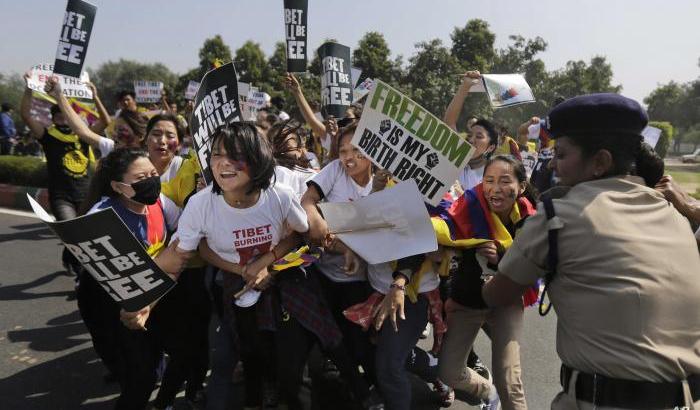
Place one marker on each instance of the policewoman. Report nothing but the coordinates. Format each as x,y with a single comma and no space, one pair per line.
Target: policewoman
620,265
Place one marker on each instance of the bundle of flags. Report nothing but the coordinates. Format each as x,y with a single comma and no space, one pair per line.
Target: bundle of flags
468,222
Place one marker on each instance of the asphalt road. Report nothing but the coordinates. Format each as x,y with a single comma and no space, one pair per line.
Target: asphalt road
47,360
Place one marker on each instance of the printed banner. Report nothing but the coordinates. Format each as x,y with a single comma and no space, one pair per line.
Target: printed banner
112,255
405,139
363,89
505,90
248,113
74,38
355,74
191,90
216,104
336,84
72,87
651,136
257,99
148,91
385,226
296,33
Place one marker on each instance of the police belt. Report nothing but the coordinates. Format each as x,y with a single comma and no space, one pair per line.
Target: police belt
631,394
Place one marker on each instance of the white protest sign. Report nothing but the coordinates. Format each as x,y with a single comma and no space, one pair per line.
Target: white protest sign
505,90
191,90
362,89
384,226
355,74
404,138
258,99
651,136
71,86
148,91
248,113
529,159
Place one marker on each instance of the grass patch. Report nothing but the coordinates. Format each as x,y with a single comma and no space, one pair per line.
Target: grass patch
683,177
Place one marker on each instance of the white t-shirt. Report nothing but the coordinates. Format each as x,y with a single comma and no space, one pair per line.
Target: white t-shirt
337,186
173,167
295,179
469,178
380,278
106,146
313,160
239,235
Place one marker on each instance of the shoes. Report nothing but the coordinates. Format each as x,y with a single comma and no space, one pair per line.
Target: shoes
492,402
445,394
482,370
426,331
374,401
270,396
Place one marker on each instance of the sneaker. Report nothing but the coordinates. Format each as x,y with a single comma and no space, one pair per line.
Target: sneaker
270,396
482,370
445,393
492,402
426,331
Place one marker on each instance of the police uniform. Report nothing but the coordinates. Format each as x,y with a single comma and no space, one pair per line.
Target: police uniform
625,280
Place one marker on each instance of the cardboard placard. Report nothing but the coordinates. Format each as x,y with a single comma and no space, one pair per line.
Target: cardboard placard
74,38
257,99
405,139
296,33
506,90
215,104
148,91
384,226
336,81
72,87
191,90
112,255
651,136
362,89
355,74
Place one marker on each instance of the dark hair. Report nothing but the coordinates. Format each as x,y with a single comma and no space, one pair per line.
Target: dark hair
166,117
530,192
335,143
137,122
6,107
624,149
123,93
278,102
356,109
649,165
490,129
55,109
114,166
242,141
277,135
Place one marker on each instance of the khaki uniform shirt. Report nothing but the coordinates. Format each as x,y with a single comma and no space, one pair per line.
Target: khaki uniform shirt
627,288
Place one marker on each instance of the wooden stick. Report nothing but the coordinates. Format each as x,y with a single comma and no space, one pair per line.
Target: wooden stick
242,291
366,228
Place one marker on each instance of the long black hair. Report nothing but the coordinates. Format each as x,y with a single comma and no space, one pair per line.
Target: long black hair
278,135
242,141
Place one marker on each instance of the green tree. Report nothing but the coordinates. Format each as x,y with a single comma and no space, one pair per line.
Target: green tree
472,45
251,65
213,49
114,76
578,77
11,90
372,55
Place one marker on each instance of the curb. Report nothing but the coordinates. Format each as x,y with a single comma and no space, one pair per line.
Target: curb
15,197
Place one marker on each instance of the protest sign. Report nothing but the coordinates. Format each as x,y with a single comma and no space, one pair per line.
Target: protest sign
362,89
336,84
405,139
355,74
529,159
651,136
295,31
148,91
191,90
112,255
74,38
385,226
257,99
72,87
215,104
248,113
505,90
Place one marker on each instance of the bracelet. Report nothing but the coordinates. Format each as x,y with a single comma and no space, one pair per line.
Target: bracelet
402,288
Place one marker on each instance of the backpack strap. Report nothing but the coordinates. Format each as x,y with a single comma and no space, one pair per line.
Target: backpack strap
553,226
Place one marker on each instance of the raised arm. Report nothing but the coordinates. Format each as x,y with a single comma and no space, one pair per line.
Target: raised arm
53,88
455,108
292,84
317,225
103,118
523,130
35,127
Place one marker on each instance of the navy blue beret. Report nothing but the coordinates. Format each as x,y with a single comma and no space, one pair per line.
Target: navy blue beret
591,114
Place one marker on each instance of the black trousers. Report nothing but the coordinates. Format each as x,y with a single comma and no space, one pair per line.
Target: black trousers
64,209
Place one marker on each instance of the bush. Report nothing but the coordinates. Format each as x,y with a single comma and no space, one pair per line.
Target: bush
24,171
665,138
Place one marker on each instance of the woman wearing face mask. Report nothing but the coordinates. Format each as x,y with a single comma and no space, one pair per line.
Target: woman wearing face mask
130,185
620,266
482,224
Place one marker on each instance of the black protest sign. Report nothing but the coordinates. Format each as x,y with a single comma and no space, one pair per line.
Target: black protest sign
112,255
336,84
74,38
215,104
295,31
